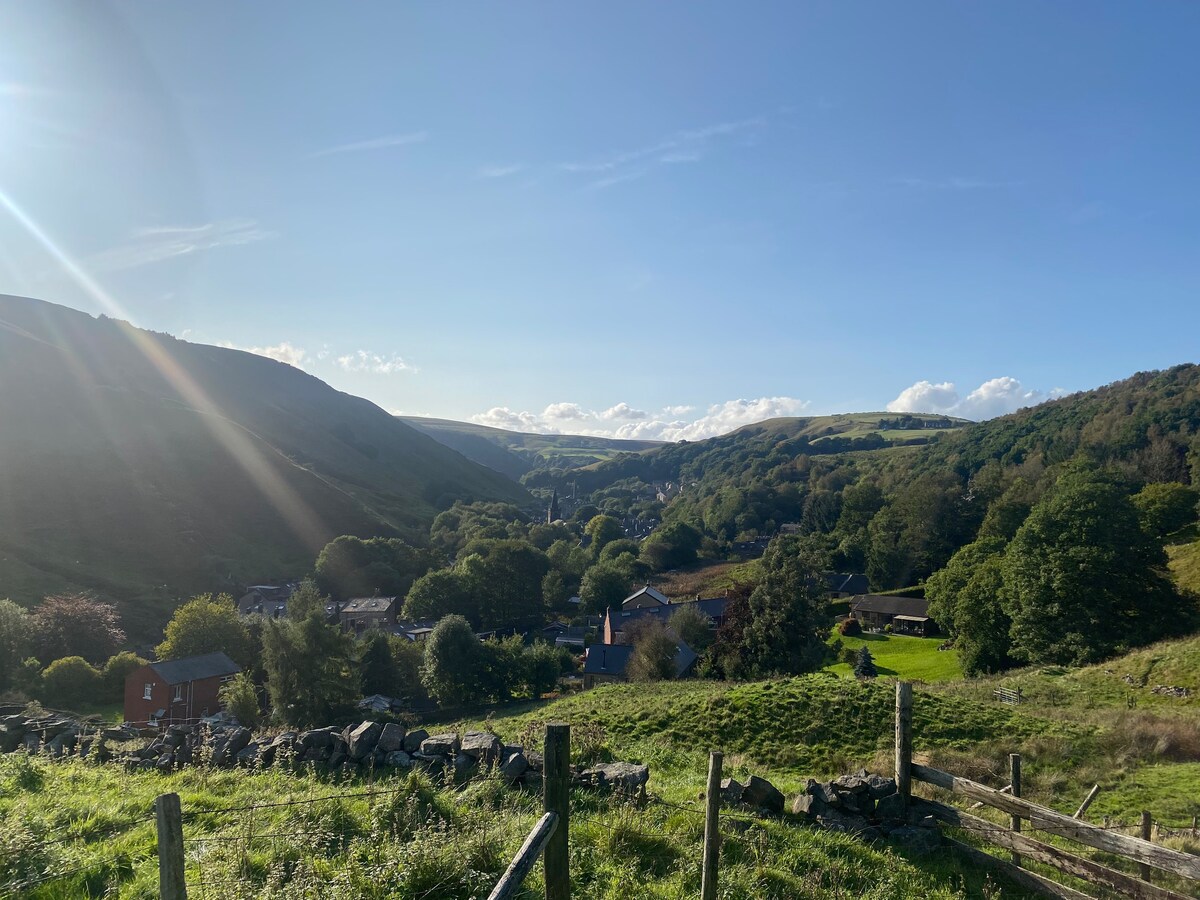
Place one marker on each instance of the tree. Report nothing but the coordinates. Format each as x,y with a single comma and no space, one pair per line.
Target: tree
207,624
76,625
71,682
693,627
982,620
350,566
944,587
445,592
604,585
602,530
455,662
1165,507
787,617
239,696
377,668
654,650
16,640
408,656
1084,580
509,578
671,546
119,667
311,675
614,549
864,664
544,666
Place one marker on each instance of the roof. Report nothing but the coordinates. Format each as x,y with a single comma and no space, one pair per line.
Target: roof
889,606
847,582
713,607
612,659
912,618
367,605
647,591
194,668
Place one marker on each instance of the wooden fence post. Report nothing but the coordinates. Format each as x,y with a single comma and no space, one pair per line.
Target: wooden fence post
1147,824
556,789
1087,801
712,828
169,816
1014,770
904,741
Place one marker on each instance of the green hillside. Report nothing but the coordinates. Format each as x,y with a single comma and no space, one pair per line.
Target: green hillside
147,468
516,453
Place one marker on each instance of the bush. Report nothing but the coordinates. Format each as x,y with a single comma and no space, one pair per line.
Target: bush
850,627
239,696
71,681
116,670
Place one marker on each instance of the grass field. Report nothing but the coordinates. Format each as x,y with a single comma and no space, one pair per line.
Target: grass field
909,658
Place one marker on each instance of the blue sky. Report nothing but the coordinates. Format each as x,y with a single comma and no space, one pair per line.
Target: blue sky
652,219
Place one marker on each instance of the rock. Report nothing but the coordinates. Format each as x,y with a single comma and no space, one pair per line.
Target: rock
248,755
337,757
317,737
183,755
239,739
391,738
412,740
823,792
363,740
761,794
919,841
514,766
536,762
890,808
809,806
398,759
440,745
465,765
880,787
628,778
837,821
851,784
482,745
731,790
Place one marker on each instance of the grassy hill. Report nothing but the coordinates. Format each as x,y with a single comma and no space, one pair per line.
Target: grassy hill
515,453
147,468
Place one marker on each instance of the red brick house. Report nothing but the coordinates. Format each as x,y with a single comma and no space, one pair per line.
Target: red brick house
177,690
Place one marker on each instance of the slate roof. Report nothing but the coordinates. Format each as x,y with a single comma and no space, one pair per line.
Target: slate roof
368,604
611,659
194,668
889,606
714,608
648,591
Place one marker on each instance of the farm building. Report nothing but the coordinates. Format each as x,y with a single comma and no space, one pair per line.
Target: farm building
906,615
177,690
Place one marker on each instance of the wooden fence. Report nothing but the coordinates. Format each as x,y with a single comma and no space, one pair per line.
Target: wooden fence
1139,851
1008,695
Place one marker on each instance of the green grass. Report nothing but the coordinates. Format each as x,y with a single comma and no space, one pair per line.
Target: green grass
909,658
1185,565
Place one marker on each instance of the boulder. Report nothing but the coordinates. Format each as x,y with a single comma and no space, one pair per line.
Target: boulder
628,778
851,784
440,745
391,738
412,740
482,745
398,759
731,790
761,794
239,740
337,757
890,808
363,740
318,738
165,763
465,765
823,792
514,766
809,806
880,787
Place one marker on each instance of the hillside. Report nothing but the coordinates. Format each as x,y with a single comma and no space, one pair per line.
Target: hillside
146,467
516,453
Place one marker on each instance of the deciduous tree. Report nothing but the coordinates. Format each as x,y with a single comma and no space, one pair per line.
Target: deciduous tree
76,625
206,624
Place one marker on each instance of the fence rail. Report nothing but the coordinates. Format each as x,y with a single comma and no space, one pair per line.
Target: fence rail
1137,850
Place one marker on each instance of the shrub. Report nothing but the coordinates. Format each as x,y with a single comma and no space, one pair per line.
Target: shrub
849,627
864,664
239,696
71,681
116,670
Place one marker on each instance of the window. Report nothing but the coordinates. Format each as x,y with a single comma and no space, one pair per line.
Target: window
146,692
179,692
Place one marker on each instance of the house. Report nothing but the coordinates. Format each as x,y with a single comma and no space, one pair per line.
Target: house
268,600
617,620
906,615
646,596
840,585
607,662
363,613
177,690
416,631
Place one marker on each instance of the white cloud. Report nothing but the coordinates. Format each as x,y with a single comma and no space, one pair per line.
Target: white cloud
379,143
686,146
499,171
375,363
623,411
624,421
160,243
283,352
995,397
